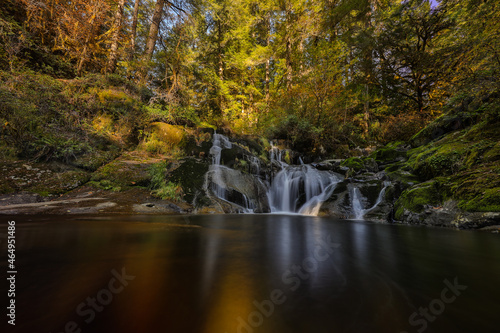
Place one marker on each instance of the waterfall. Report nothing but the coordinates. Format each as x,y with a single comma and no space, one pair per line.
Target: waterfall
300,189
357,205
276,155
295,188
219,142
357,201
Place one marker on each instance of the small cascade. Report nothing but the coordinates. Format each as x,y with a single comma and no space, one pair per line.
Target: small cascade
254,165
357,205
300,189
358,210
219,142
276,155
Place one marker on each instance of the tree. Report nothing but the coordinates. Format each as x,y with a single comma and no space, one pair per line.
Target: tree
408,62
117,26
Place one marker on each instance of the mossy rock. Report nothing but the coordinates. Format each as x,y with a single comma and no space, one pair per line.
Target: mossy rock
198,145
190,174
95,159
169,134
5,188
60,183
404,178
417,197
122,173
388,154
441,126
354,163
476,190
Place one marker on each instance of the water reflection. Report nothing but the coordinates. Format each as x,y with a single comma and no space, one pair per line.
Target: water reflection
251,273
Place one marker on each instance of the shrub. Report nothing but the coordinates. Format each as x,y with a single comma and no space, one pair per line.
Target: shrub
159,185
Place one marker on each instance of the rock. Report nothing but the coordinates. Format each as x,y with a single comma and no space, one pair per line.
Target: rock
189,173
242,189
122,173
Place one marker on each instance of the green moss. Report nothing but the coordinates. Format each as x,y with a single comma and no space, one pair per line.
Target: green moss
123,173
476,189
487,201
5,188
416,197
387,154
60,183
94,160
353,163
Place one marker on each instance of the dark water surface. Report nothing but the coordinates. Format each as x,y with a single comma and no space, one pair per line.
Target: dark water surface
250,273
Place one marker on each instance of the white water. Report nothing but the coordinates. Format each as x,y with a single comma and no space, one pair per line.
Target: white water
219,142
299,189
357,202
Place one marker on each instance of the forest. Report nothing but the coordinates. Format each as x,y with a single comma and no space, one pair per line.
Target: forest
324,73
144,95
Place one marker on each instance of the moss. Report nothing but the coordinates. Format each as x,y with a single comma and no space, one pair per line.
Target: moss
405,178
123,174
476,189
353,163
387,154
60,183
95,159
487,201
5,188
416,197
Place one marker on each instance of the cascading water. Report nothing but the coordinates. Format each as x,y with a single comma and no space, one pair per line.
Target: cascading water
295,189
219,142
215,180
299,189
357,201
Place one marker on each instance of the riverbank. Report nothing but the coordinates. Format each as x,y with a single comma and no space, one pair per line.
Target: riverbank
117,155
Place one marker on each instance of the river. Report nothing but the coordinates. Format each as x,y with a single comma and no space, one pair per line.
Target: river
250,273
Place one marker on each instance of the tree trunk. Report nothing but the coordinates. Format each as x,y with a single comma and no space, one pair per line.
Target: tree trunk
134,29
366,117
289,68
152,36
268,64
117,26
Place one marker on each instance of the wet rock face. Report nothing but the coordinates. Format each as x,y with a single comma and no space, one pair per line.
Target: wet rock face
375,198
190,174
242,189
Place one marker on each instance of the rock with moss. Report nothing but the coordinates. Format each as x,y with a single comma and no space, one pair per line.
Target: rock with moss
441,126
189,173
416,199
391,153
61,183
94,159
123,173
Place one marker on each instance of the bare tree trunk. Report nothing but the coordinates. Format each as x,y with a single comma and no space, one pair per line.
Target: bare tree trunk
220,57
268,64
366,112
134,29
152,36
117,26
288,44
289,68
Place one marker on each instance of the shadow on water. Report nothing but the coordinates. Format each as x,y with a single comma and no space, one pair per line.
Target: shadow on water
251,273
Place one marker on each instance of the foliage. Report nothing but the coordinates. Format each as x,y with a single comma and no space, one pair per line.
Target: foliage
351,72
162,188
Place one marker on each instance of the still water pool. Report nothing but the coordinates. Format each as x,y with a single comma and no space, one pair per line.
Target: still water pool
250,273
